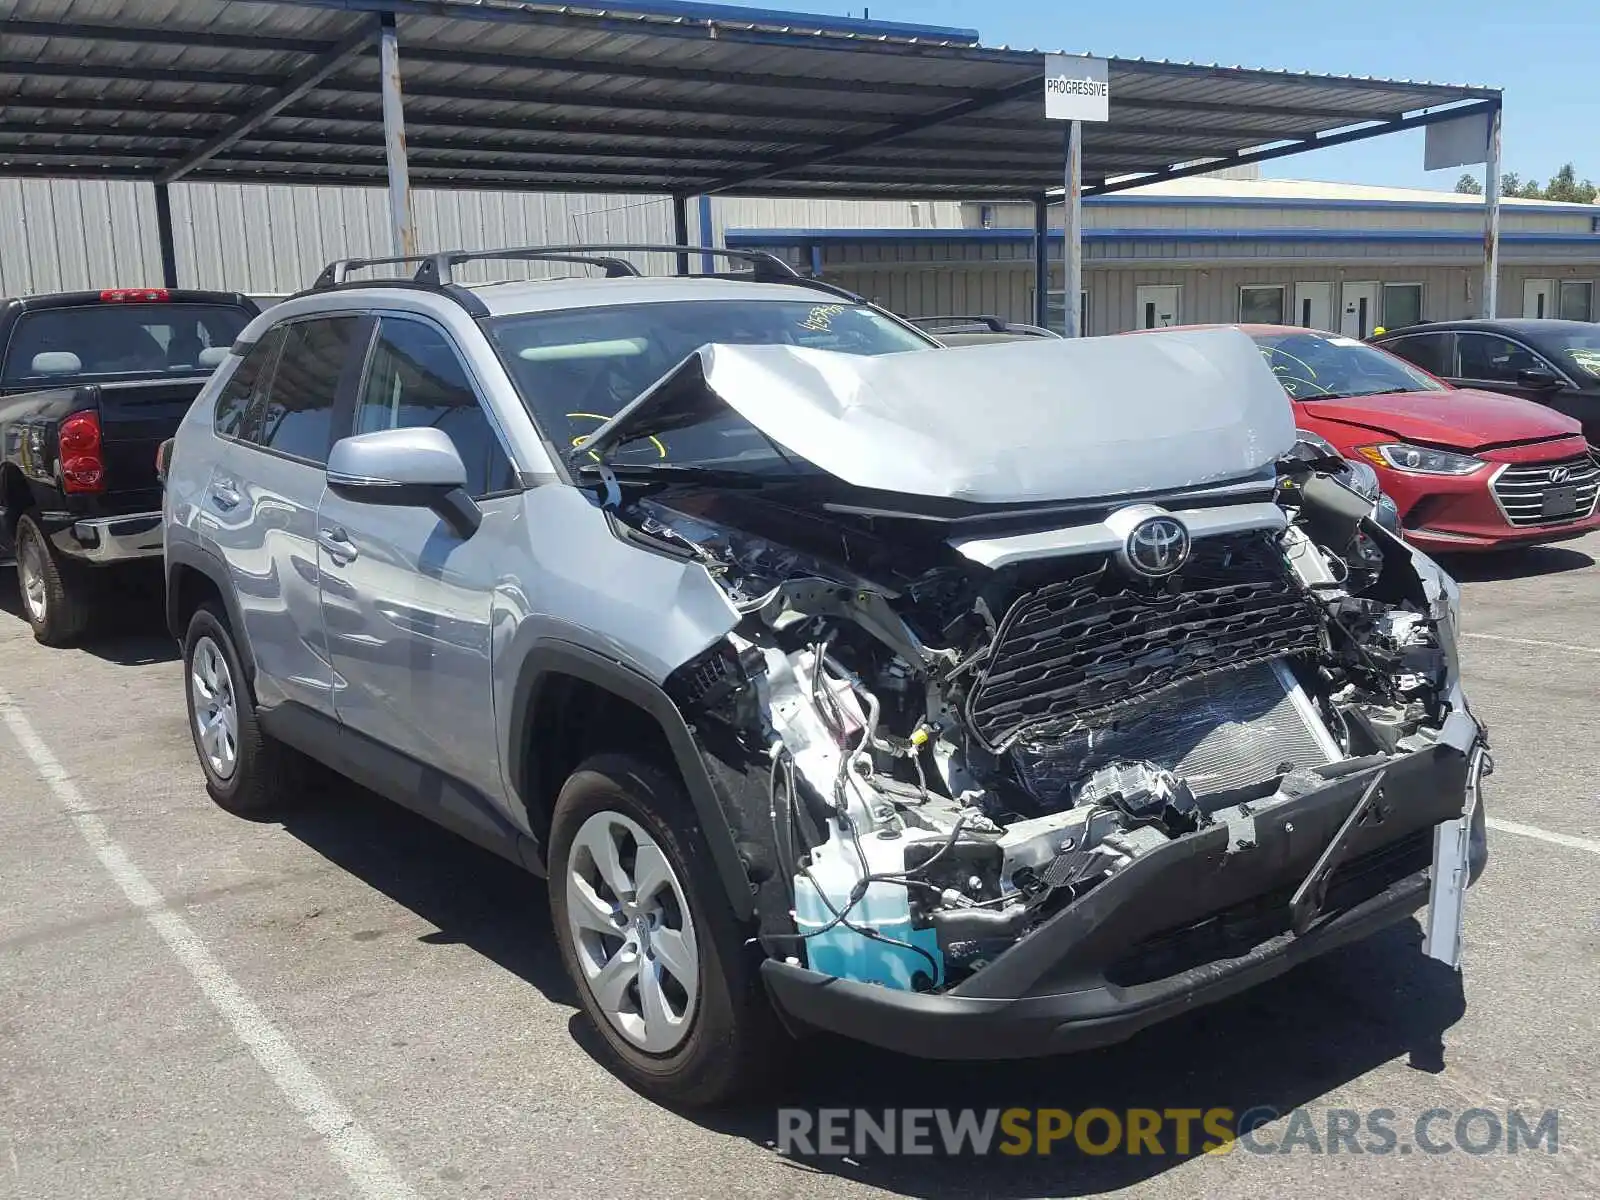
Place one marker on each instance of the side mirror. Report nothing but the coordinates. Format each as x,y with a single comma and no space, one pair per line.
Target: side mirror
405,468
1539,379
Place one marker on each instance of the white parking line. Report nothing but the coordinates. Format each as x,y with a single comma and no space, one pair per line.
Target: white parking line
1544,835
1495,637
352,1147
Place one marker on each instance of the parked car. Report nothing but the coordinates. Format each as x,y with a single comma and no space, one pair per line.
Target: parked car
1467,469
91,383
971,730
976,330
1554,363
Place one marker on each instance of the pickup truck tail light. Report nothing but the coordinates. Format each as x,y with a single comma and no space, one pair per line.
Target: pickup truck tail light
134,295
83,465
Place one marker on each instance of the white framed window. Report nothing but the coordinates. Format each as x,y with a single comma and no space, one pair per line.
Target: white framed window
1577,300
1402,305
1261,304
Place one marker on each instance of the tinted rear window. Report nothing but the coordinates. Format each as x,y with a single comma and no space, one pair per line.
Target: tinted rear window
297,414
99,341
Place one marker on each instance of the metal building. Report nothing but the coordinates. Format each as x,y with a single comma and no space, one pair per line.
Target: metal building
1337,256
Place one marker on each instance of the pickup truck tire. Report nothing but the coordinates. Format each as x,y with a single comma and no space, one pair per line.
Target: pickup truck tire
248,773
701,1049
55,596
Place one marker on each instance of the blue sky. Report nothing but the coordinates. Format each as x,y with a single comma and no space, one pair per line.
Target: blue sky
1544,53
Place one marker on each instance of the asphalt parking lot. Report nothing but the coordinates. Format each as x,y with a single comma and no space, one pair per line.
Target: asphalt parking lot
351,1003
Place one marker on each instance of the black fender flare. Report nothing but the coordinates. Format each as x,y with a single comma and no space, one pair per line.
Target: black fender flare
197,558
547,658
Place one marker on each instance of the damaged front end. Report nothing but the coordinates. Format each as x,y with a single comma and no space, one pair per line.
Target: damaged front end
1057,780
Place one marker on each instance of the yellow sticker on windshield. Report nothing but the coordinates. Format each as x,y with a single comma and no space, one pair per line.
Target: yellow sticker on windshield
820,318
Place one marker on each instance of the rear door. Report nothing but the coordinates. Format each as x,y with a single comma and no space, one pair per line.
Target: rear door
407,601
262,506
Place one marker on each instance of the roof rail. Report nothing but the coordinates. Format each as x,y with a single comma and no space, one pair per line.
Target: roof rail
435,272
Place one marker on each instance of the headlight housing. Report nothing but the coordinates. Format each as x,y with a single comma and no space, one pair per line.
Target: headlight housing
1420,460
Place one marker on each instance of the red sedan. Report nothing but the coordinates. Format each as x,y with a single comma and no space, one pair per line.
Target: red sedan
1468,470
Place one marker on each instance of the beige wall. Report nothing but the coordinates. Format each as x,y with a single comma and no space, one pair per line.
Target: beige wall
941,285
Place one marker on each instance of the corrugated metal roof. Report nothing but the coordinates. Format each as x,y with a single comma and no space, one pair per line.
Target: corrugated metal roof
653,98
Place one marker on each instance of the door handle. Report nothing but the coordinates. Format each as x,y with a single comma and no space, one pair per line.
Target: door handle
338,545
225,494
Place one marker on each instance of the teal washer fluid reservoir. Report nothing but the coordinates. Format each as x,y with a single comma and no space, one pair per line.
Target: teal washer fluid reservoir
885,909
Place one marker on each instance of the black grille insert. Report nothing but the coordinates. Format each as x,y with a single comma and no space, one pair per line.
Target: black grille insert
1068,651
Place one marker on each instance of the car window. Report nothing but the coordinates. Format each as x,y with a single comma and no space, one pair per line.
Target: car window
1430,351
1581,349
416,381
1492,357
1319,366
245,384
575,368
296,417
121,339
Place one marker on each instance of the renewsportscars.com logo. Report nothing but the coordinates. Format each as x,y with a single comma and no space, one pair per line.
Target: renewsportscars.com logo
963,1132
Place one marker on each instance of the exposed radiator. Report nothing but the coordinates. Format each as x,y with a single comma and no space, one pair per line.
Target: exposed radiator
1069,651
1218,733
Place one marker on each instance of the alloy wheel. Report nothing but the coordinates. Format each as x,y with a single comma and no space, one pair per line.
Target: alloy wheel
216,708
31,570
633,932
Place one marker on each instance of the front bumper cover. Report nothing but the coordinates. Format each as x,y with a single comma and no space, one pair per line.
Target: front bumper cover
1116,960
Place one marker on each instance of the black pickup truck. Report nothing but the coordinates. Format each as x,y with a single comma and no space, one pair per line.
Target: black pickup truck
91,384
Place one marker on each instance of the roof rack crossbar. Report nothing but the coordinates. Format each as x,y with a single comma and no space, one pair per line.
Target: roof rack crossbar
439,268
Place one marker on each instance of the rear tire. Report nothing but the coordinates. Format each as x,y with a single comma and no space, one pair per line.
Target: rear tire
717,1036
248,772
55,596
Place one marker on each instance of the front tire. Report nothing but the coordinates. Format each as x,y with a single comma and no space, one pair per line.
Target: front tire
248,773
55,599
658,959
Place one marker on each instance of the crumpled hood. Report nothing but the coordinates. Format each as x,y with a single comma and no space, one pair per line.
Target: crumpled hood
1013,422
1464,419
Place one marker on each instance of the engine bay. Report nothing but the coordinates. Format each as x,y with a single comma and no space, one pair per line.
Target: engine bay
951,751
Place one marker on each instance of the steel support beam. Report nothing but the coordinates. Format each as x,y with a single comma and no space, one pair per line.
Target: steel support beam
306,79
708,234
680,229
1491,220
1072,232
1041,260
1298,146
402,229
974,104
169,249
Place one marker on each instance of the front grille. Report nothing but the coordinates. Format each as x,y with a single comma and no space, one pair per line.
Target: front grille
1522,490
1068,651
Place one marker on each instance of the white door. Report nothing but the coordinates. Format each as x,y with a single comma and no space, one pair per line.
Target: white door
1539,298
1157,305
1360,309
1313,305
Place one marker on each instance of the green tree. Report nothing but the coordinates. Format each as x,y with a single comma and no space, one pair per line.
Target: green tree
1565,186
1468,185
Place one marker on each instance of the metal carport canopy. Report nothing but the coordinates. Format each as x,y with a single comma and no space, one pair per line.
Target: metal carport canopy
676,99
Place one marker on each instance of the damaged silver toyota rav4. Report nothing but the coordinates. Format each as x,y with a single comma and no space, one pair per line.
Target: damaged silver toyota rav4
976,703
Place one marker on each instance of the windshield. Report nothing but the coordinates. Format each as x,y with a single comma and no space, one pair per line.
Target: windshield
1581,349
576,368
119,340
1319,366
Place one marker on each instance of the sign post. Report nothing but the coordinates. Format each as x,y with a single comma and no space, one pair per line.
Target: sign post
1075,90
1459,143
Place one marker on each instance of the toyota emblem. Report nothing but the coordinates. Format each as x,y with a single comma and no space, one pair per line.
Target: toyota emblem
1560,474
1157,546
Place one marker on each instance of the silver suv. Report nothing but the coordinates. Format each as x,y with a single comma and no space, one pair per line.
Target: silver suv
973,702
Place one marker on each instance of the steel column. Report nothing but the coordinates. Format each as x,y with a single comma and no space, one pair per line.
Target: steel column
1491,220
1072,233
169,250
402,229
680,229
1041,260
708,234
